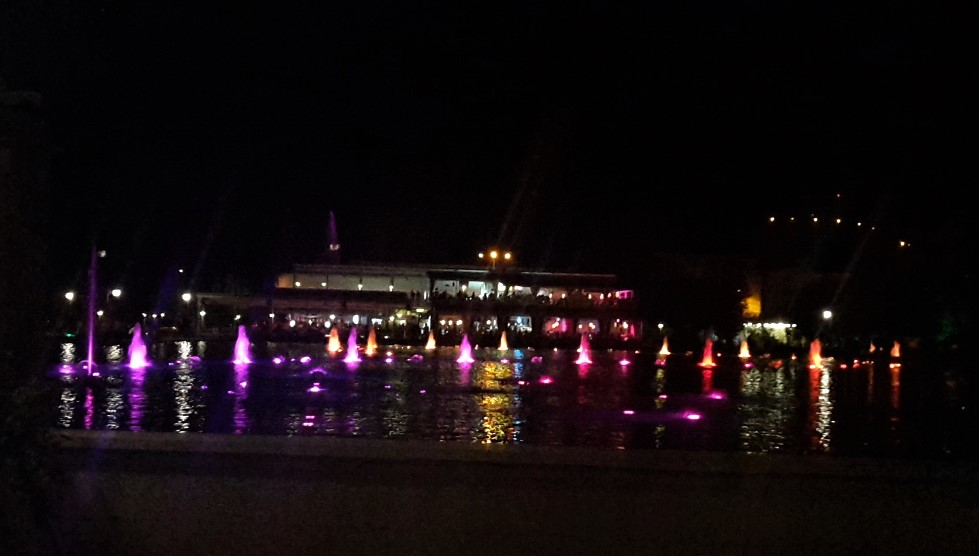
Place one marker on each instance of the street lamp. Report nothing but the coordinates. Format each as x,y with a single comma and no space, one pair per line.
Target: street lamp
495,255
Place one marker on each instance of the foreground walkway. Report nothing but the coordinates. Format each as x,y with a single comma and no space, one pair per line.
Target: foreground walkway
181,494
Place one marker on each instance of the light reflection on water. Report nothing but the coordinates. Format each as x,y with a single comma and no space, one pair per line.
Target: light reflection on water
529,397
114,407
66,407
183,385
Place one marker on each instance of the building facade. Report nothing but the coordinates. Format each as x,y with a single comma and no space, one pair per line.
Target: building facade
409,303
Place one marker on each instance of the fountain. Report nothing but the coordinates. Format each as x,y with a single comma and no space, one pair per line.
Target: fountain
90,327
584,351
815,354
371,348
465,351
333,345
896,350
665,350
431,340
744,353
708,359
353,355
873,348
242,347
137,349
503,344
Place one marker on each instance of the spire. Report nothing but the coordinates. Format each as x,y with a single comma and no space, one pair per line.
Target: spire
333,256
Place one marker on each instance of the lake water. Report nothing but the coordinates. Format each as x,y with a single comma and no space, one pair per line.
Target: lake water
622,400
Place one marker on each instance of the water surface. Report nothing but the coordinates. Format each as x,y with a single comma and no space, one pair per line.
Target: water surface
621,400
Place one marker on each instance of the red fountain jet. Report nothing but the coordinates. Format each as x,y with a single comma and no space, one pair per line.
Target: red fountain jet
708,360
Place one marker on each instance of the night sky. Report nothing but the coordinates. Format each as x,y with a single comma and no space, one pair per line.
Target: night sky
218,138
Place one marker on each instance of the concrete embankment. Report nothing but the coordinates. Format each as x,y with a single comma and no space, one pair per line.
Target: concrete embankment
181,494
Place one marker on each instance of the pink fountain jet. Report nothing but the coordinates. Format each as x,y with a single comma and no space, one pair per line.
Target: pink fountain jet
465,351
584,351
242,347
137,349
353,353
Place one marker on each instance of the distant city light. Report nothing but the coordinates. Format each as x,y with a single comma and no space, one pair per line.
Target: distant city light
70,296
771,219
827,314
116,292
769,325
185,296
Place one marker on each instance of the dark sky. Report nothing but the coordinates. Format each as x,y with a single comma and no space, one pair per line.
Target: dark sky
583,136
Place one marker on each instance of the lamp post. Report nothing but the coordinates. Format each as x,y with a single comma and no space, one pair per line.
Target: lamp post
113,294
70,320
184,318
494,255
